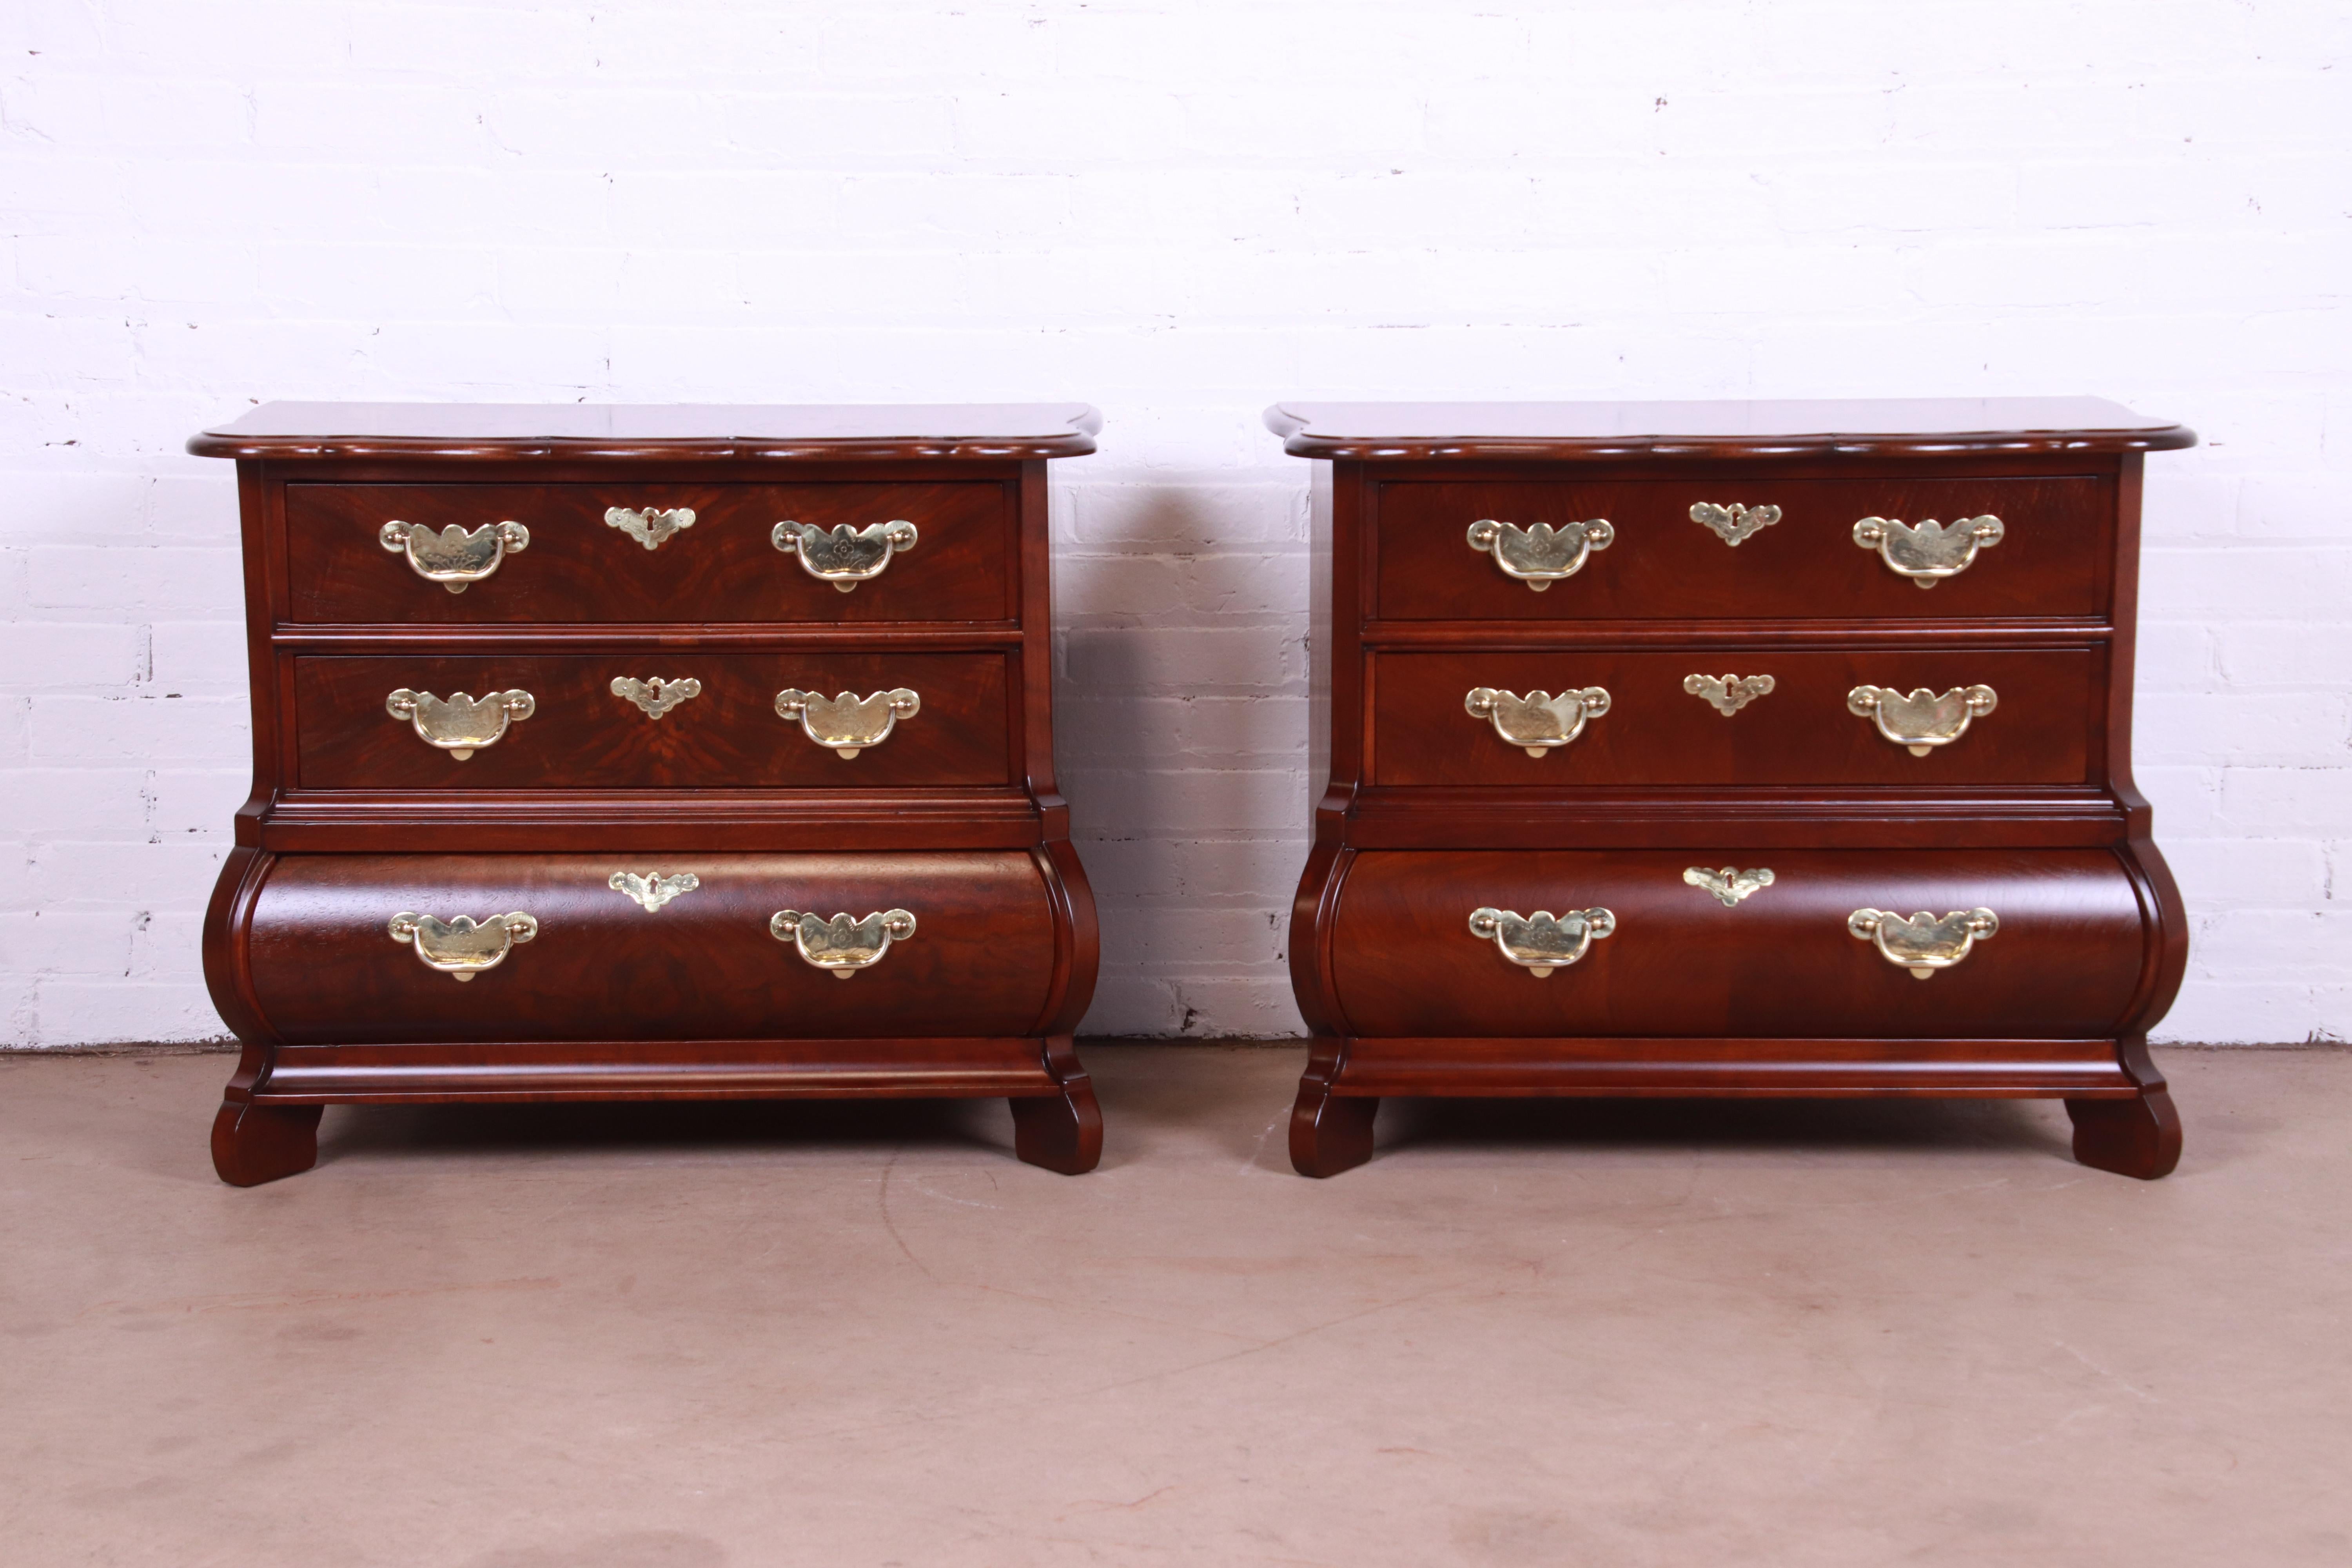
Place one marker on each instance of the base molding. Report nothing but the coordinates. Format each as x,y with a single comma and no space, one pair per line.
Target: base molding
956,1068
2123,1116
1733,1067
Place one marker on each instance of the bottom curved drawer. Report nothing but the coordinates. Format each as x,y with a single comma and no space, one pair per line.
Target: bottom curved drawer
1644,942
371,948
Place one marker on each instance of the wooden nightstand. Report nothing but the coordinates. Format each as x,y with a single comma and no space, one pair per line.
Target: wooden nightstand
648,752
1731,749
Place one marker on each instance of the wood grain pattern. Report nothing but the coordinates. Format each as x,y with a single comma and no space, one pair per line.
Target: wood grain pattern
704,966
581,736
1655,733
1423,808
1934,428
2051,561
958,810
448,433
2064,964
725,568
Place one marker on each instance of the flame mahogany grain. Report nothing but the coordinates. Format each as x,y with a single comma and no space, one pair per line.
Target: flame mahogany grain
1426,813
957,816
724,568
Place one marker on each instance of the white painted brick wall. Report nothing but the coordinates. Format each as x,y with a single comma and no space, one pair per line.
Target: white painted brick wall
1180,210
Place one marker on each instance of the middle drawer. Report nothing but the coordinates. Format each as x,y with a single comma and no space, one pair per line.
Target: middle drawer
1661,721
681,720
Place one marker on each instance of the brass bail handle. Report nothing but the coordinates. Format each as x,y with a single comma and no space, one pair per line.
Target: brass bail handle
841,946
456,557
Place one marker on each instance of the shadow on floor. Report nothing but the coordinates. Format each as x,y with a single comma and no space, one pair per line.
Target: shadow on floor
1238,1098
773,1125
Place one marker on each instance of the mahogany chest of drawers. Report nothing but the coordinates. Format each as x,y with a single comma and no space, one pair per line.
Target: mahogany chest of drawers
1731,749
613,753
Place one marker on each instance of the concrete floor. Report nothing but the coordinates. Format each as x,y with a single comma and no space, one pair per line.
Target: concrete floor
1556,1334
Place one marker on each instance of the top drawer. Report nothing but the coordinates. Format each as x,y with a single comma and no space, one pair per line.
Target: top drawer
2052,558
723,566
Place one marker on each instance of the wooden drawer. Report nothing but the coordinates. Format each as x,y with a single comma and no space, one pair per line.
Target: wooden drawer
2062,964
576,568
581,735
704,966
2053,559
1655,732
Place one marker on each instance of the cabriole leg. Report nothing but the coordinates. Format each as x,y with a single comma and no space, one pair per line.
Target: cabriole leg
257,1143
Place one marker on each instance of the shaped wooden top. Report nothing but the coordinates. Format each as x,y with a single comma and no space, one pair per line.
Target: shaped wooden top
1791,427
506,432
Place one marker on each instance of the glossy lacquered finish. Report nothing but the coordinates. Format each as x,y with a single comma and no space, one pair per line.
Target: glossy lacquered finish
722,567
581,736
1779,962
702,966
1801,733
1662,565
1729,685
589,880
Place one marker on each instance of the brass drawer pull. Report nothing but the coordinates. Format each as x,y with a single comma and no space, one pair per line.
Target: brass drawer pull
1537,721
1924,945
453,557
1734,524
846,721
1541,556
656,697
1542,942
653,527
844,556
1922,720
1929,551
462,948
842,946
462,724
1727,887
1728,694
653,890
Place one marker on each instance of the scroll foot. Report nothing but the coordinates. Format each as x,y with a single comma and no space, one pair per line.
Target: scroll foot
1329,1132
1061,1131
257,1143
2138,1137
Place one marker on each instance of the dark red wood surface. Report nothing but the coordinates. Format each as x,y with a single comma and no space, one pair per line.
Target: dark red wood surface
1717,1066
768,1067
2040,733
463,434
979,1002
725,568
703,966
1408,611
2051,561
2064,964
580,736
1937,428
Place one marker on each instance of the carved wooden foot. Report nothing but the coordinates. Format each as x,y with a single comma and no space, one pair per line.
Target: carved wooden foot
2139,1137
1061,1132
257,1143
1329,1132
